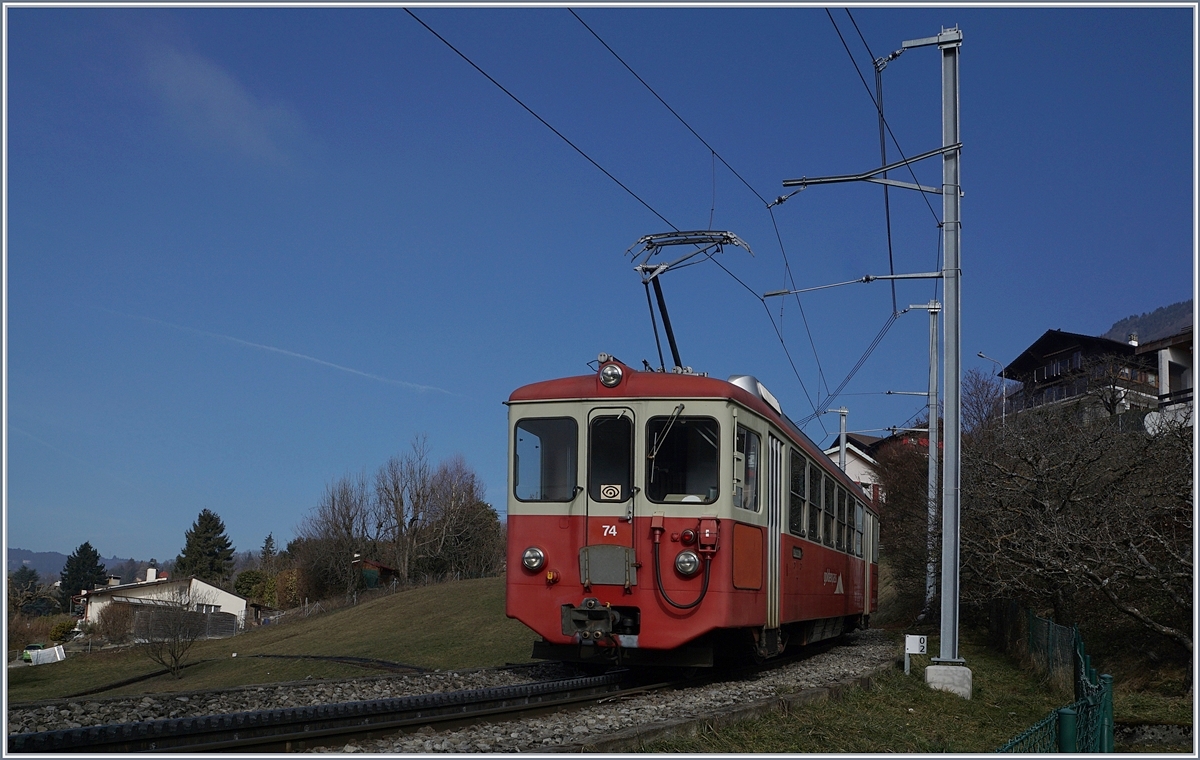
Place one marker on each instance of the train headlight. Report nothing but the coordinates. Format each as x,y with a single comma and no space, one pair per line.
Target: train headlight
533,558
687,563
610,375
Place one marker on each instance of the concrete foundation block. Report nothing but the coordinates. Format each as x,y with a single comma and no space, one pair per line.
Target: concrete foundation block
955,679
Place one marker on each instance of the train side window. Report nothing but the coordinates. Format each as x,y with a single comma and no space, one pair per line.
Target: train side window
745,470
858,529
827,498
841,519
683,459
799,487
814,502
545,459
610,458
875,540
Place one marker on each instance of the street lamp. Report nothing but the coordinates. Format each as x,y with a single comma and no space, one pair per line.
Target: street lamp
1003,386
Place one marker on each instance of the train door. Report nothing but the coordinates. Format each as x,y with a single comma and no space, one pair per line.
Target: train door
774,492
607,558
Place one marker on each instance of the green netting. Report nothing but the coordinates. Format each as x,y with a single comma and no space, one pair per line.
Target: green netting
1041,737
1052,648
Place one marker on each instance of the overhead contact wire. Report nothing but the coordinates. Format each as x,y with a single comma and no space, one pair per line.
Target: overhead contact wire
765,202
547,124
879,110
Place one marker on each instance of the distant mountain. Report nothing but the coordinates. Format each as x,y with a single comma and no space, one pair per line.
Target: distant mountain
1160,323
51,563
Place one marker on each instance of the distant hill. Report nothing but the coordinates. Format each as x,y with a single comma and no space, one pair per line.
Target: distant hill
51,563
1156,324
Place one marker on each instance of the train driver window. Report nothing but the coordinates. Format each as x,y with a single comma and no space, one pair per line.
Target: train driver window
682,459
796,494
545,459
745,470
610,458
827,498
814,502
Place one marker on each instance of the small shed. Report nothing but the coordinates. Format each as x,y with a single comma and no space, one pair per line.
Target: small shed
376,574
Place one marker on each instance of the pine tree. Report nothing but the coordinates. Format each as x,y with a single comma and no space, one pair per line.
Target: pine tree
207,551
267,557
82,571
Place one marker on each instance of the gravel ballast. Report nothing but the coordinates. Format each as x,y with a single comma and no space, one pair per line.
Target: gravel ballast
596,726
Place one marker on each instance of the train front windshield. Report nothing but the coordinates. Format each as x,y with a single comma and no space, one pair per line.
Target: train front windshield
683,461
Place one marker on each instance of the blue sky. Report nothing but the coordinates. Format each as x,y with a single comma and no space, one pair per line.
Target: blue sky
250,250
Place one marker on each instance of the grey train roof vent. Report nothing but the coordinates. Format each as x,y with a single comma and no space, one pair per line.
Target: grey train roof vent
750,384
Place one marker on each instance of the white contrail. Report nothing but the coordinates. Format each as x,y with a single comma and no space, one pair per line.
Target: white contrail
285,352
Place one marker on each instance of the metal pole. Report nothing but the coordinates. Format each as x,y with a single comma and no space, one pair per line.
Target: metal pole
842,439
932,489
951,228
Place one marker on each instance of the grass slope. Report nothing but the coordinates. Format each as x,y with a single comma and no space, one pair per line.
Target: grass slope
452,625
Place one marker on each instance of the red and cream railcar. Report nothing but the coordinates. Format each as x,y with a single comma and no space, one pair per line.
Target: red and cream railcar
675,518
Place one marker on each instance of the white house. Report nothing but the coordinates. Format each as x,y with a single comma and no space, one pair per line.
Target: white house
199,595
860,464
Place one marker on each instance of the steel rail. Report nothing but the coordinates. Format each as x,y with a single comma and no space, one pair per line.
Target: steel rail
295,728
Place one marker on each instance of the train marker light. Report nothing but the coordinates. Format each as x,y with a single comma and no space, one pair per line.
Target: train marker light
687,563
533,558
610,375
688,537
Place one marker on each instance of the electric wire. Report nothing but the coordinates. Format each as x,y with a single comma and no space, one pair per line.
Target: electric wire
547,124
887,207
879,110
668,107
779,238
887,325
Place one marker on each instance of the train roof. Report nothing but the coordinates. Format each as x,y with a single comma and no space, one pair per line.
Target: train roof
637,384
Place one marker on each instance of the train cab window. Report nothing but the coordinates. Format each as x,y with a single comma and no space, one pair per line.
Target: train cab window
545,459
814,502
745,470
798,488
858,529
682,459
827,499
610,458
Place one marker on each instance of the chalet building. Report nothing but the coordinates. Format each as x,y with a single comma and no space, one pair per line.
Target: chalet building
1062,366
158,591
1174,362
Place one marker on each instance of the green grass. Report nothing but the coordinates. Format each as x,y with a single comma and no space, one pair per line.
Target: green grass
452,625
900,714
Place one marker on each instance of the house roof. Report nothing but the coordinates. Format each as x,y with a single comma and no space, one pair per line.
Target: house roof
1181,338
124,587
1055,342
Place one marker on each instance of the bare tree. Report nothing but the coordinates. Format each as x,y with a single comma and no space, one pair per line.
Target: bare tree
403,504
170,625
330,536
1060,508
115,622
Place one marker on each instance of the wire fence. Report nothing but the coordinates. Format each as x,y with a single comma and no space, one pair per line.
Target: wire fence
1085,725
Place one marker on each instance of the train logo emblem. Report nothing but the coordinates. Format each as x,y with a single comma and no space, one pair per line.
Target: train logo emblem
610,493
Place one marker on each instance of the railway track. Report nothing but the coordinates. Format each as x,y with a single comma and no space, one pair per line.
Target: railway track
298,728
